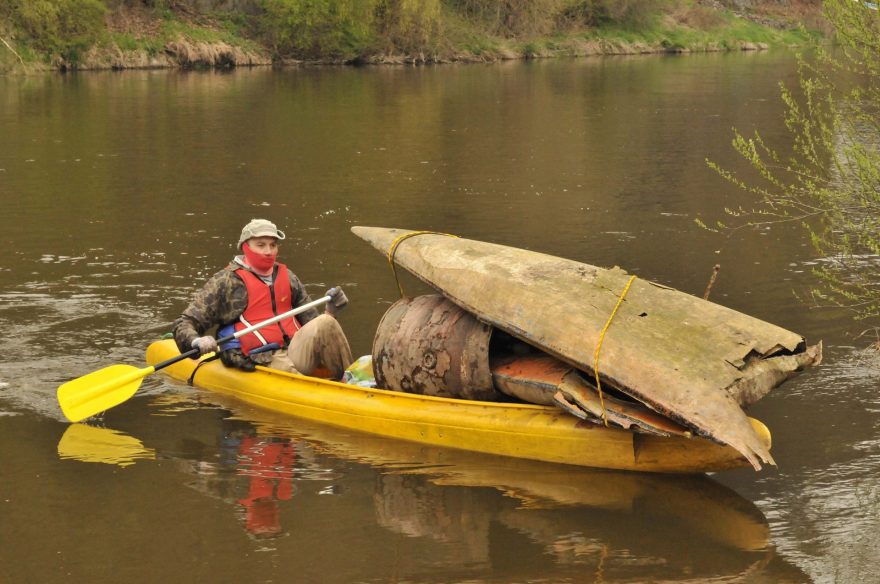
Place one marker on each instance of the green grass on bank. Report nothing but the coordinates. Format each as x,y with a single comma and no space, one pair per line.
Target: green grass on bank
52,32
217,29
727,33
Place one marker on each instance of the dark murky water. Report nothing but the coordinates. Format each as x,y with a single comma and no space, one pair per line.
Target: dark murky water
122,192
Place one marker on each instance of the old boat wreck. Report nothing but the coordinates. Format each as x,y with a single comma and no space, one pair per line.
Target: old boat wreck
600,344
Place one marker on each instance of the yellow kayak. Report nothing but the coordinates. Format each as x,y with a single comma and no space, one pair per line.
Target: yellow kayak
527,431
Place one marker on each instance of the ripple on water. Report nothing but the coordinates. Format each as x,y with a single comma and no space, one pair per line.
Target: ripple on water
825,512
64,329
843,499
845,373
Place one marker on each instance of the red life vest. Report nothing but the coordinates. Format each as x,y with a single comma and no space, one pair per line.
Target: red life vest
265,302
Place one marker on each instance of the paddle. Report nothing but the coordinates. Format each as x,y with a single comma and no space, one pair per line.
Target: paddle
101,390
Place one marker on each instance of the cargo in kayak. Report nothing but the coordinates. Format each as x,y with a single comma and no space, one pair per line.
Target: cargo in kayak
687,359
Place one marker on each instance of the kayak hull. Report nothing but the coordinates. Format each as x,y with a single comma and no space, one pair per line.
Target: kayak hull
526,431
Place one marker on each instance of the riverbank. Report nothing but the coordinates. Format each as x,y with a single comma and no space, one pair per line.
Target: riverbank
134,36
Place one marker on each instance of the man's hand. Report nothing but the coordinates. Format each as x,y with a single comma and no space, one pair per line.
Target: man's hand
338,300
235,358
206,344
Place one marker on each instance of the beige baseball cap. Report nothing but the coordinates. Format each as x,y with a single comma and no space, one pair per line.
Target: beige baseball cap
259,228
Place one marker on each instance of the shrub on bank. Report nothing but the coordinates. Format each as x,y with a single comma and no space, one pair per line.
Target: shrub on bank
312,28
347,29
66,28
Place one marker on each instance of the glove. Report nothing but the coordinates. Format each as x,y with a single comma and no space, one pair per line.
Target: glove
338,300
235,358
206,344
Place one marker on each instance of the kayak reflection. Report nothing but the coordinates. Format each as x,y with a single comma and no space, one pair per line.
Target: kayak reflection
687,503
690,504
479,511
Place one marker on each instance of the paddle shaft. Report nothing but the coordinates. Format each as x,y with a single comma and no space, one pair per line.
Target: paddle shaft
244,331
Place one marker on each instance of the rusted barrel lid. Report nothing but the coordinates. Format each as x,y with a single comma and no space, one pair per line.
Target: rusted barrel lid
430,346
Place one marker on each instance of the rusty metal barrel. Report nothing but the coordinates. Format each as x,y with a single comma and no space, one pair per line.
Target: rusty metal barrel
431,346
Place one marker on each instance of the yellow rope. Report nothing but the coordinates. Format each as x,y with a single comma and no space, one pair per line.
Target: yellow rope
599,347
393,249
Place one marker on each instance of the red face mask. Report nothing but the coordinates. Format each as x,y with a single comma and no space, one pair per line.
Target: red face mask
258,261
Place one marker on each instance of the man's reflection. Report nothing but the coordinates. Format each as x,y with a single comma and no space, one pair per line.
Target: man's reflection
268,462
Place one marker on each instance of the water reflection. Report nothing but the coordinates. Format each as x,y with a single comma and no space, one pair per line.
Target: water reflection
104,445
475,512
268,462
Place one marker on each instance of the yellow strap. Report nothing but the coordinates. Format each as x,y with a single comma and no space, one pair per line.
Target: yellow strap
599,348
393,249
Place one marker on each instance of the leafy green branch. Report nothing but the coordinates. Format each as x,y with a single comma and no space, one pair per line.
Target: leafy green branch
829,182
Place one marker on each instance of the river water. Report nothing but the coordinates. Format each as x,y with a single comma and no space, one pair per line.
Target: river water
122,192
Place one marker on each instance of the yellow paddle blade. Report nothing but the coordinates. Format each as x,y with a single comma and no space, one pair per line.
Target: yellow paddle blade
100,390
90,444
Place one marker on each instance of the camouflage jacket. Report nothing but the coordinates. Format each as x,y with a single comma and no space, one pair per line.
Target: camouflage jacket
222,300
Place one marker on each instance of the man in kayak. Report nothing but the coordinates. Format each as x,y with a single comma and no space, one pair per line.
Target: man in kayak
251,289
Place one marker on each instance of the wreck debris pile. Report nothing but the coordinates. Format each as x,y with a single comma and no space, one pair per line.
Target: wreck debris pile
430,346
672,364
